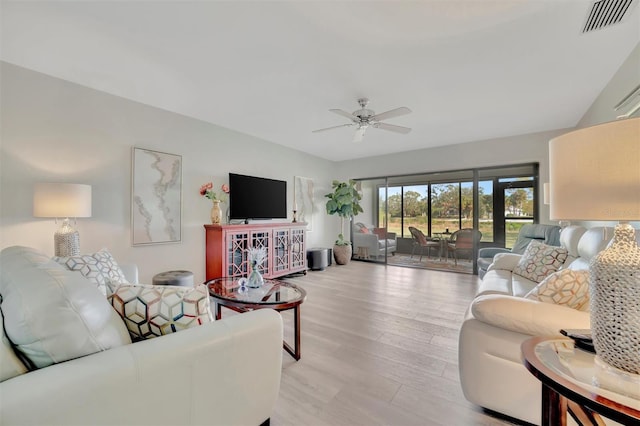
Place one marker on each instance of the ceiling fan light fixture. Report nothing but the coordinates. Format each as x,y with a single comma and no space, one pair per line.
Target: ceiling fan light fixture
363,118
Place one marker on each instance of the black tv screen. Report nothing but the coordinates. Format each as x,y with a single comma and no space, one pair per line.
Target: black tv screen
253,197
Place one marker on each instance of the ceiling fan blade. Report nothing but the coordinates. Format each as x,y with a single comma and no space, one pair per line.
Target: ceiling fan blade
344,114
391,113
359,135
333,127
392,128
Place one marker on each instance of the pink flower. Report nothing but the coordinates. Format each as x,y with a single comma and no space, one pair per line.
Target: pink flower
206,191
205,188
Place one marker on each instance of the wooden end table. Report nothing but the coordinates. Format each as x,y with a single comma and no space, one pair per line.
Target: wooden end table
567,375
274,294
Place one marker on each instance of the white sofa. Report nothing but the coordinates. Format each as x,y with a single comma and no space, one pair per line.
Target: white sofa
500,319
376,241
225,372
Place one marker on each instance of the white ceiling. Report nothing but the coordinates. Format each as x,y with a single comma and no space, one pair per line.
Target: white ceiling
469,70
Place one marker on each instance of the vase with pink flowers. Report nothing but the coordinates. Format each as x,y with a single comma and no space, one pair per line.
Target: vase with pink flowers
207,191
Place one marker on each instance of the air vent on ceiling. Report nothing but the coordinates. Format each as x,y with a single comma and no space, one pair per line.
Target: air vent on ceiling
606,12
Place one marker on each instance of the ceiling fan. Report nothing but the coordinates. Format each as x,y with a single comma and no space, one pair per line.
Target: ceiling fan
365,118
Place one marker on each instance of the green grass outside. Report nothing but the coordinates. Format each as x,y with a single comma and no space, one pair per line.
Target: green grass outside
440,225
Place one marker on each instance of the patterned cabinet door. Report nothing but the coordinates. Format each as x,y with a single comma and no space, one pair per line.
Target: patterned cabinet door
297,250
236,262
280,256
260,239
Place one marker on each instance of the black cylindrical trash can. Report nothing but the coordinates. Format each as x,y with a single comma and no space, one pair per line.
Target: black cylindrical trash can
318,258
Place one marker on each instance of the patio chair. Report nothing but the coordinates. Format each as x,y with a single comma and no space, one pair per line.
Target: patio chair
420,240
463,240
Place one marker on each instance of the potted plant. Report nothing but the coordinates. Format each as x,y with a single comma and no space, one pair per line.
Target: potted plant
345,202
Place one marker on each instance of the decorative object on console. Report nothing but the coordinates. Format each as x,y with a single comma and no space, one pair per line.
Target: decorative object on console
345,202
207,191
63,200
151,311
156,197
595,176
256,257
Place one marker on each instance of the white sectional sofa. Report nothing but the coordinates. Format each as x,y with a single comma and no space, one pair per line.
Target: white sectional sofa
500,319
66,358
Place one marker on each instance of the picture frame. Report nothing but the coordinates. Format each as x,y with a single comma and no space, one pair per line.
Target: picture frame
303,198
156,197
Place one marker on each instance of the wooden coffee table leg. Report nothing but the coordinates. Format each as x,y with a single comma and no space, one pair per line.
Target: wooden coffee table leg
554,407
218,311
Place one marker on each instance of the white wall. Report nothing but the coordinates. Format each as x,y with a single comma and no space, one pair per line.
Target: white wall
497,152
626,79
56,131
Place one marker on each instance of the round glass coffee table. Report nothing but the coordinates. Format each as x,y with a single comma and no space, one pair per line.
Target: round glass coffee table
573,380
274,294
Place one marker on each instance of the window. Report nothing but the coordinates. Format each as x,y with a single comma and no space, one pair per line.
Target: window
498,201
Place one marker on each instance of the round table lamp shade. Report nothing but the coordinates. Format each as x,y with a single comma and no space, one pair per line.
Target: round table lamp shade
63,200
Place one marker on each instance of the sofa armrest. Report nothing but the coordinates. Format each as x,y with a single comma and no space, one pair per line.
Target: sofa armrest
130,271
527,316
505,261
365,240
490,252
226,372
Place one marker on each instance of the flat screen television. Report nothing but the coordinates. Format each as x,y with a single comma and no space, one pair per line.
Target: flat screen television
253,197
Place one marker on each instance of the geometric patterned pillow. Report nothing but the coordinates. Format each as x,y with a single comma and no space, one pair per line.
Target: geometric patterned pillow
149,311
540,260
566,287
99,268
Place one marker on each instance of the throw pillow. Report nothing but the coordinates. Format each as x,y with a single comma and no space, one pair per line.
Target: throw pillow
99,268
540,260
365,230
149,311
51,314
566,287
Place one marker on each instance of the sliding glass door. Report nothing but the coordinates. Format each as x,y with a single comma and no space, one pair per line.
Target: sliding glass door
496,201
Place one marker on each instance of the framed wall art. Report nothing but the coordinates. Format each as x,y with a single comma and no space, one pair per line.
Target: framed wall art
303,198
156,197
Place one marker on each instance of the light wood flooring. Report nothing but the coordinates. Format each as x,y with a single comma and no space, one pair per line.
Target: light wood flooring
379,347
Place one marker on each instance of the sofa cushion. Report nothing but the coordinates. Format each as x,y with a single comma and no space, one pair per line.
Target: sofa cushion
526,316
52,314
98,268
151,311
540,260
10,364
567,287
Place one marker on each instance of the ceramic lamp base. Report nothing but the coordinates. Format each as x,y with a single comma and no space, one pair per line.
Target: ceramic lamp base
615,301
66,240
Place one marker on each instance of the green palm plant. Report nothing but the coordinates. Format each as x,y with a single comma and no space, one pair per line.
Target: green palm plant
345,202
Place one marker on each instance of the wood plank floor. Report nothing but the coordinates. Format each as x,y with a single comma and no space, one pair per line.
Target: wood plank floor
379,347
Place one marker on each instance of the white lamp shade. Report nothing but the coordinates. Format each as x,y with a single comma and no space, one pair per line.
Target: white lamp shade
61,200
595,173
